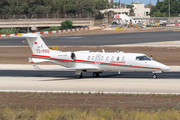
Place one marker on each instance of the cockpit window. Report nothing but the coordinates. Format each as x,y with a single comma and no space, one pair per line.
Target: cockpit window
143,58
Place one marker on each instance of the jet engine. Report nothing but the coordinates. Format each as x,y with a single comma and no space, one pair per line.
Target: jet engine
64,56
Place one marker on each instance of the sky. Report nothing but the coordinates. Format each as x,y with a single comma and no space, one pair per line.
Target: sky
143,1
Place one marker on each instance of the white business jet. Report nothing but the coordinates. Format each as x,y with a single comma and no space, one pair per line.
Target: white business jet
126,19
86,61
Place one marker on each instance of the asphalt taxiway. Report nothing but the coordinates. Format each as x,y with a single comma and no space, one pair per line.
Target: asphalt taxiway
70,74
108,82
24,78
99,40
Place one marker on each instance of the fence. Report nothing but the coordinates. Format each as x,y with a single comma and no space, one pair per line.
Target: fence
36,16
171,20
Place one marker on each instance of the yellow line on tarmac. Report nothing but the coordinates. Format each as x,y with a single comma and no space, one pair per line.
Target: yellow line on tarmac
25,41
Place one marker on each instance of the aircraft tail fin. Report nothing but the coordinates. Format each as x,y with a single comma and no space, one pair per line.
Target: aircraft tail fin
36,43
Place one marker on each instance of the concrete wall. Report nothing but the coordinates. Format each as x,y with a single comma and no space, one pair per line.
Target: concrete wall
171,20
35,23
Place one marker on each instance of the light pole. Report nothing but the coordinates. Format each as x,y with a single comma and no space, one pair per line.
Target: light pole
27,28
169,8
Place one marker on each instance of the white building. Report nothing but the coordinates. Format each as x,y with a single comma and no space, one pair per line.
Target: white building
140,10
110,1
117,11
121,10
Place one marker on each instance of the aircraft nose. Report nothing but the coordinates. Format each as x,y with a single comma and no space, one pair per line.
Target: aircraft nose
165,68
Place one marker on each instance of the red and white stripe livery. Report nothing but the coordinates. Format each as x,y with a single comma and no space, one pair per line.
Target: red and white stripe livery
95,62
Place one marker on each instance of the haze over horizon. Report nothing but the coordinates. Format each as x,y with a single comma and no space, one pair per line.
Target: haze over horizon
145,2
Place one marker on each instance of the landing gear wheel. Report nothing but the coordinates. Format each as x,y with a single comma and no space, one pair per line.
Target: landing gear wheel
154,76
95,74
79,76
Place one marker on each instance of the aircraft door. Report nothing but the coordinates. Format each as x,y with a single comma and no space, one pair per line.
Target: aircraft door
97,60
146,63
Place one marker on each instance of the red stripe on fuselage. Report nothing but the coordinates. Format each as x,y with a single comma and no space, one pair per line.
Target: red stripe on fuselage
115,64
43,56
61,60
84,61
129,65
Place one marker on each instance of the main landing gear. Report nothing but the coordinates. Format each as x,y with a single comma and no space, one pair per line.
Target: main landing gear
154,76
95,74
79,74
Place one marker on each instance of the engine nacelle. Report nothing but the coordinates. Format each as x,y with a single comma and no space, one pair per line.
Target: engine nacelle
64,56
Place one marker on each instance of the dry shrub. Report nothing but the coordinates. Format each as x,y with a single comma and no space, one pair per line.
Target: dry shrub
57,113
6,114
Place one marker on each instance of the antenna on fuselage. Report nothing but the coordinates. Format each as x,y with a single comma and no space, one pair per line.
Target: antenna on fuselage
117,50
103,50
151,57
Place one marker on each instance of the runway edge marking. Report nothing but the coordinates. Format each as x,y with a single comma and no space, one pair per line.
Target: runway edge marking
86,92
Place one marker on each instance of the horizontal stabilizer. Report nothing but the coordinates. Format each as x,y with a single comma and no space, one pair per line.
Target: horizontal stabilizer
37,60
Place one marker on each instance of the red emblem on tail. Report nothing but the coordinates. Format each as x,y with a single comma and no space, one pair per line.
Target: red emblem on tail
35,43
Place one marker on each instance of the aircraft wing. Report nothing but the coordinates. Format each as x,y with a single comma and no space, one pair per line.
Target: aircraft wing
61,69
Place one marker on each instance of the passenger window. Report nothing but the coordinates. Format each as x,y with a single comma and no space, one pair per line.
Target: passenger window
102,58
112,59
89,57
117,58
107,58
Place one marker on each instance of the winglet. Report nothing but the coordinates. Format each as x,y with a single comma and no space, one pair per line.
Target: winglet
33,64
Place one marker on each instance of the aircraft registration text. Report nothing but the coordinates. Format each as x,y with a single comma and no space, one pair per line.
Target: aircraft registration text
43,50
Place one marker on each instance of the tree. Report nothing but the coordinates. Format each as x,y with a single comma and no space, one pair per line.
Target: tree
131,12
72,8
66,25
162,8
115,4
150,6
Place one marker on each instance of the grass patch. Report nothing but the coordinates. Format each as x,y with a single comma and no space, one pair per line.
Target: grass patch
66,113
90,106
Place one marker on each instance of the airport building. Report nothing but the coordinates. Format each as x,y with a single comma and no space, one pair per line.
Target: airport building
139,10
110,1
121,10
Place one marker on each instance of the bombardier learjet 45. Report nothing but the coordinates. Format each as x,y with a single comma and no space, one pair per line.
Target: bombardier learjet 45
86,61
